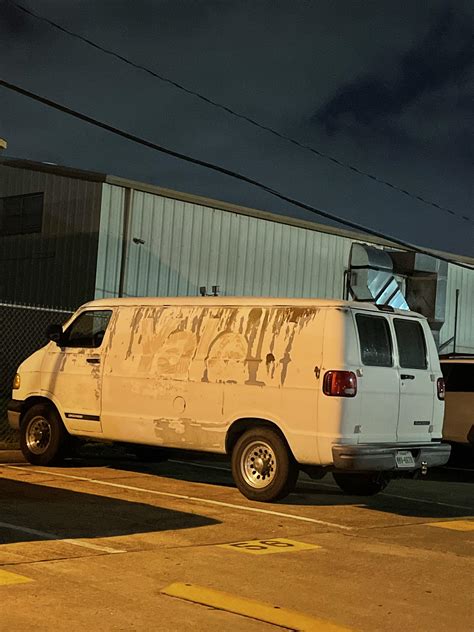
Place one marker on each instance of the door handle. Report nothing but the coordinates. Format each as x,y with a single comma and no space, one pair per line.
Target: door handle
93,360
406,376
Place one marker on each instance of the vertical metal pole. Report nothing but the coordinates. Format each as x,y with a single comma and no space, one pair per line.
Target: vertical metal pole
456,306
126,223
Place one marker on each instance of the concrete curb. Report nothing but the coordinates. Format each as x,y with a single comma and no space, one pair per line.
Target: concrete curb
11,456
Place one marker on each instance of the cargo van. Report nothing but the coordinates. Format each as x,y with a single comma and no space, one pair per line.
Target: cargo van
279,385
458,426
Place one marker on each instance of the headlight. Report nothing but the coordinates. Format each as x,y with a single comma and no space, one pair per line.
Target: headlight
16,381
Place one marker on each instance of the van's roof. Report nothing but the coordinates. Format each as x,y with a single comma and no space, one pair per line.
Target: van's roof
248,301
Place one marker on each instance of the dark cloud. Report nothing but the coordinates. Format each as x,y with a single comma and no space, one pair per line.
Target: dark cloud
441,58
12,21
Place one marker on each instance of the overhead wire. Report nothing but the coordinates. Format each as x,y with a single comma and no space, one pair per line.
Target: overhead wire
223,170
233,112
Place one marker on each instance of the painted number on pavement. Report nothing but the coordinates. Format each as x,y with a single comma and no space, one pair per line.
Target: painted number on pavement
273,545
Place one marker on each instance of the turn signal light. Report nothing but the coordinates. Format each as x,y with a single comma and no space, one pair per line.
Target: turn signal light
16,382
441,388
340,384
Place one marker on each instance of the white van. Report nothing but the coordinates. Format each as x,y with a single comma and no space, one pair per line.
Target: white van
278,384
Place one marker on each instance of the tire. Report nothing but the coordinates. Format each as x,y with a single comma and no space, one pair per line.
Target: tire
362,484
149,454
43,437
277,472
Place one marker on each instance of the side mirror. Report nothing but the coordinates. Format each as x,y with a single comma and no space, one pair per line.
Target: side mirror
55,333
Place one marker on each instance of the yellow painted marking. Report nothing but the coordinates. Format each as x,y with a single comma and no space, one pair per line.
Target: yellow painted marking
12,578
259,610
272,545
455,525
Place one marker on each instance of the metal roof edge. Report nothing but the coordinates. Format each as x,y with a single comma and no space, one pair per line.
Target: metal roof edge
245,210
68,172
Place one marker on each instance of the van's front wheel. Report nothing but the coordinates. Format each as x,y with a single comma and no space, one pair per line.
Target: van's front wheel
43,437
262,466
362,484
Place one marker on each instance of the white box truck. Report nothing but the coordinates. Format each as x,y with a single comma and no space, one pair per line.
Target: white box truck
280,385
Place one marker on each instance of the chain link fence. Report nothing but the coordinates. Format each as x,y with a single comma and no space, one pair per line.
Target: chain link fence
22,331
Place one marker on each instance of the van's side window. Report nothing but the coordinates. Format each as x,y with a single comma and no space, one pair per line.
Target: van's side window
88,330
458,377
411,344
375,340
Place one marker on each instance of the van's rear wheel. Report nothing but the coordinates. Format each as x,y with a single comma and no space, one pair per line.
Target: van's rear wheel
262,466
43,438
362,484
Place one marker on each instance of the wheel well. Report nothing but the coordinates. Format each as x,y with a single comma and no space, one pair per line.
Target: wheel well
36,399
240,426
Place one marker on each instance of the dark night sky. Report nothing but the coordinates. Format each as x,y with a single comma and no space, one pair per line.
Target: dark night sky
386,86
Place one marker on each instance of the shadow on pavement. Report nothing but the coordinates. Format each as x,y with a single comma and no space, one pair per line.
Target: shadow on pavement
311,493
72,514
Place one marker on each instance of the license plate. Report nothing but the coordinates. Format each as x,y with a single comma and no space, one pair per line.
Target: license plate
404,458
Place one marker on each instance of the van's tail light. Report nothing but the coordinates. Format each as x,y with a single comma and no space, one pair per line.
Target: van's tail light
340,384
441,388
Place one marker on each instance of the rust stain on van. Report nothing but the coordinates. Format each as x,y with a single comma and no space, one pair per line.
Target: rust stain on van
254,359
188,431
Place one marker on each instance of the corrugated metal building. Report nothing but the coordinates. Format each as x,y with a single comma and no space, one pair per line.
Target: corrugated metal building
86,235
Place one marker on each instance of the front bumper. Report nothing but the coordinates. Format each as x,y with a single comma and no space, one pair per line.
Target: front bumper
381,457
14,410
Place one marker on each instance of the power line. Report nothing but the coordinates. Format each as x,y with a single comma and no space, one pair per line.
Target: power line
244,117
223,170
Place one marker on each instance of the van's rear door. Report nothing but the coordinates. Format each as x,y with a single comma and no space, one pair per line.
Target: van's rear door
417,383
377,382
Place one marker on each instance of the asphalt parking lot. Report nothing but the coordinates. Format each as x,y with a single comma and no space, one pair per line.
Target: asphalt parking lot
113,544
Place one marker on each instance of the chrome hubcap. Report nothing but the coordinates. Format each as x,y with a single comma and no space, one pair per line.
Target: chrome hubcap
258,464
38,435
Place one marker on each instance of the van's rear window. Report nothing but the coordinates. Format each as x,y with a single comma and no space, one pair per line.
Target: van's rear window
411,344
458,377
375,340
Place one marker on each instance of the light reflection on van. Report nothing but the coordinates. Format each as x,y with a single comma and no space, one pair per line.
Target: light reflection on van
280,385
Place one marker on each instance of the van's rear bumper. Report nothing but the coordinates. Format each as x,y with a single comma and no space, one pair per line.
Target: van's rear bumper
14,410
379,457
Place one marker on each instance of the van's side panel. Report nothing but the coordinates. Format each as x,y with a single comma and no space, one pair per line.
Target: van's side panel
180,376
281,374
155,389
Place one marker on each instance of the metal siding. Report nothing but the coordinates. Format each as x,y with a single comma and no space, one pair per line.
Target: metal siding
463,280
188,245
110,241
44,268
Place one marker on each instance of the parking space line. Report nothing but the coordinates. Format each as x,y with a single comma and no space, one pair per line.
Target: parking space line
7,578
333,486
51,536
250,608
454,525
207,501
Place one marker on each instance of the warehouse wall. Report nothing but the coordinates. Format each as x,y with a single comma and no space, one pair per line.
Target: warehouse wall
463,280
188,245
57,265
